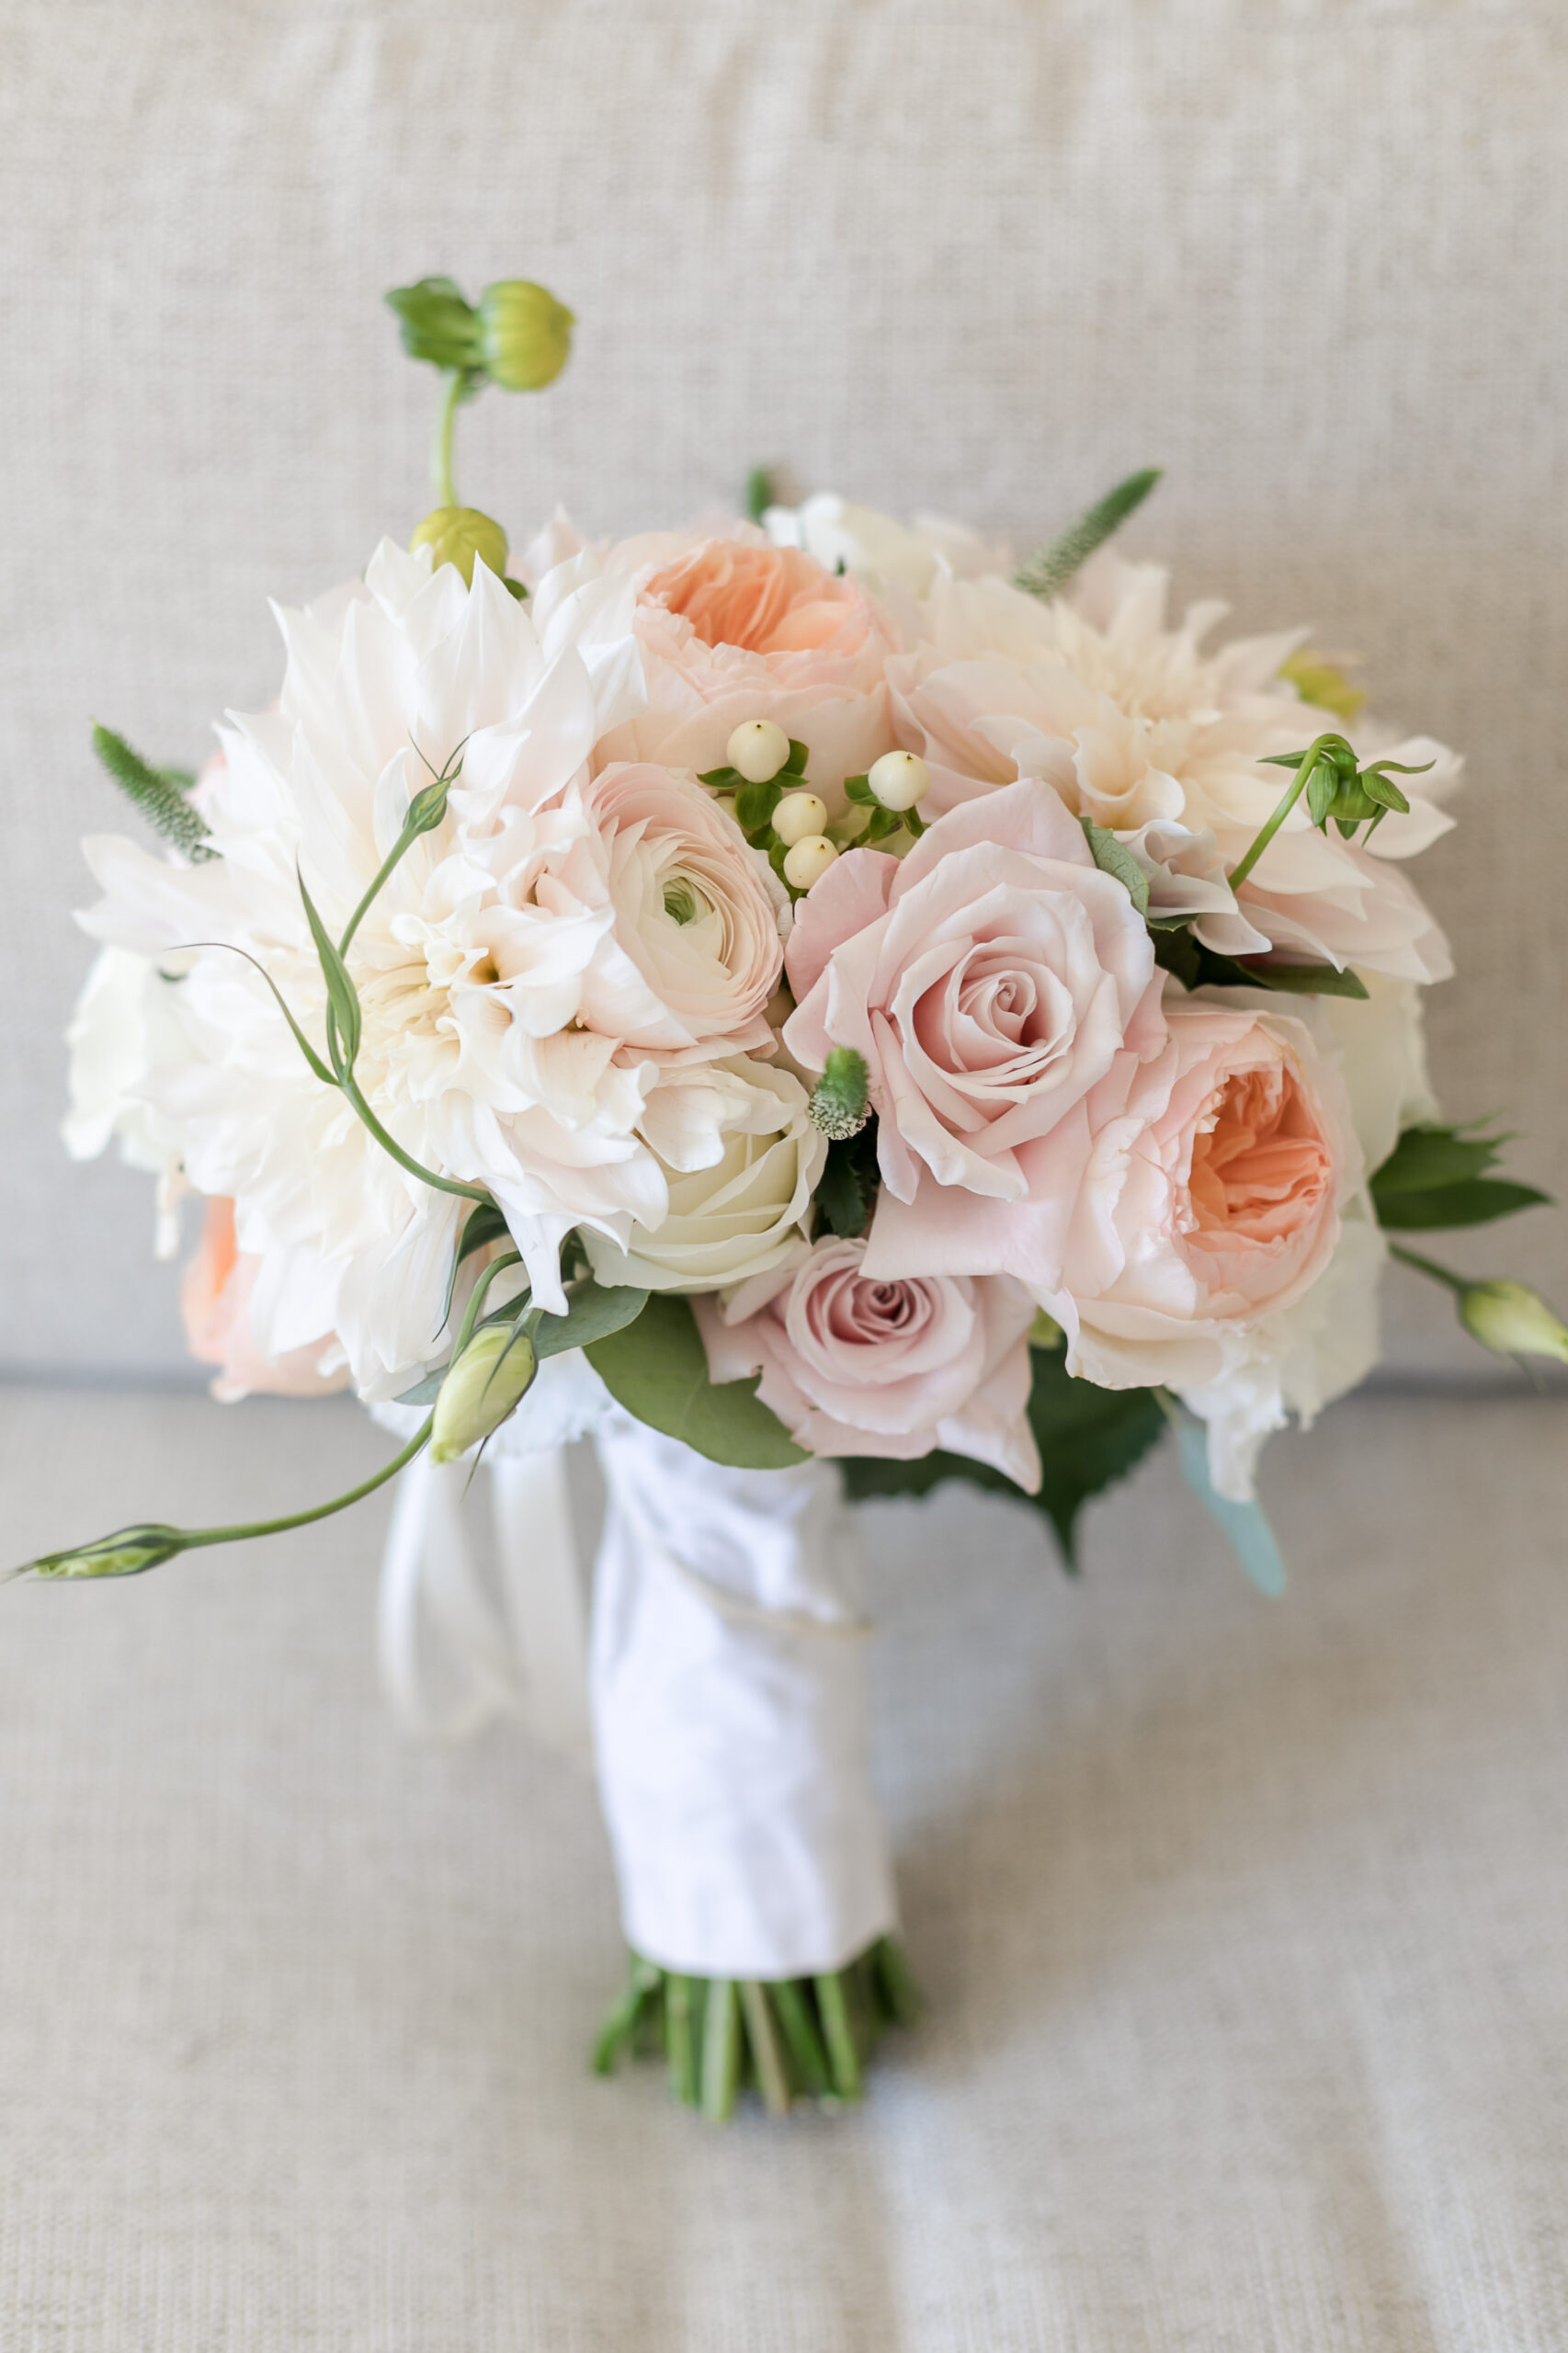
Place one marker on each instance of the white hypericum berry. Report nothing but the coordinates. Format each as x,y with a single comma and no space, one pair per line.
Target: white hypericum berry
757,750
899,780
808,861
798,814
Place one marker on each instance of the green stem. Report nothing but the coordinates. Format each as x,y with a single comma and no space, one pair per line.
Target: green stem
1427,1266
772,2076
427,1176
842,2057
198,1536
1298,785
441,455
800,2034
721,2051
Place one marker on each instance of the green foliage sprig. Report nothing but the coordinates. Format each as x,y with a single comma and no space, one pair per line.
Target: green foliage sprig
159,794
1052,569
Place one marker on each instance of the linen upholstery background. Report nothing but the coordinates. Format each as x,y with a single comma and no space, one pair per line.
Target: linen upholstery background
983,258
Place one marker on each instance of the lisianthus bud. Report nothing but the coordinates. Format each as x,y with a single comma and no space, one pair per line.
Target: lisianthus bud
458,534
898,780
798,814
1511,1319
757,750
525,335
481,1388
124,1554
838,1106
807,861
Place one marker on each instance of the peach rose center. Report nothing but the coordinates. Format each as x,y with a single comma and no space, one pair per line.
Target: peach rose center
765,600
1260,1167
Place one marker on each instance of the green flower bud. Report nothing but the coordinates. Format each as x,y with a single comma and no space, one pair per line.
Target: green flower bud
838,1100
458,534
1511,1319
481,1388
124,1554
525,335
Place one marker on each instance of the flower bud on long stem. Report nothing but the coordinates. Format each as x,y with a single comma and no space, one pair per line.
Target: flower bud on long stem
487,1380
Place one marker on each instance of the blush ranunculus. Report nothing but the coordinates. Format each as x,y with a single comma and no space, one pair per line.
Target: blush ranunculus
1215,1200
696,948
732,629
993,980
854,1365
215,1303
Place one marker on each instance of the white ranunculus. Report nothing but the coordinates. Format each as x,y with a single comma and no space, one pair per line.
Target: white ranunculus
744,1211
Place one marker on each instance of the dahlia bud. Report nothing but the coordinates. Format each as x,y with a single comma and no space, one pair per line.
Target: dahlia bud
798,814
124,1554
1511,1319
457,534
807,861
525,335
481,1388
898,780
839,1105
757,750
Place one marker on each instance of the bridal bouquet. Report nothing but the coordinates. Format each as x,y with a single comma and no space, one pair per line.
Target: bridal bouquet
827,1011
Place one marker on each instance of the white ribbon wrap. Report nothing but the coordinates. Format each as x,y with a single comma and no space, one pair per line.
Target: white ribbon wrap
729,1714
727,1676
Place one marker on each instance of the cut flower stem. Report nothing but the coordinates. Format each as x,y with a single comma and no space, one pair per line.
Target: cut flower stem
792,2039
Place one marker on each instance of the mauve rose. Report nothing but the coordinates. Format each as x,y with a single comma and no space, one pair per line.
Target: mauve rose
731,628
995,980
215,1297
1215,1202
852,1365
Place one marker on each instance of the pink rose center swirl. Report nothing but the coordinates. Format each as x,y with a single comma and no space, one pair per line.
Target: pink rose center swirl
996,1021
1261,1170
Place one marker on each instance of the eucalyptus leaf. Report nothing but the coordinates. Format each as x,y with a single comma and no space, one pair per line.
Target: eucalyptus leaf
1244,1525
657,1367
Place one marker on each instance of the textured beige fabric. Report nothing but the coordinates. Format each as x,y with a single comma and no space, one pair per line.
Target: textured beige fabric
981,258
1244,1928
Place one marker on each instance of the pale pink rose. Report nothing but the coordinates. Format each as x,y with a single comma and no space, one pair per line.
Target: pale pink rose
995,982
732,630
856,1366
1213,1201
215,1301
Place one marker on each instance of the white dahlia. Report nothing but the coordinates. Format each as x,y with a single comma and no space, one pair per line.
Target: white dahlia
528,975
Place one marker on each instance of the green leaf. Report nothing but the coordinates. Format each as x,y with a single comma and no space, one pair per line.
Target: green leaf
799,754
1115,859
343,997
754,805
1244,1527
1048,572
486,1225
437,323
1196,966
1475,1201
858,789
849,1179
158,793
593,1311
1088,1439
725,780
1426,1155
657,1367
759,493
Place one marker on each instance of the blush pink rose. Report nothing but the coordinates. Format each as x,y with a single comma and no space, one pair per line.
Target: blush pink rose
732,630
852,1365
1215,1202
215,1299
995,982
